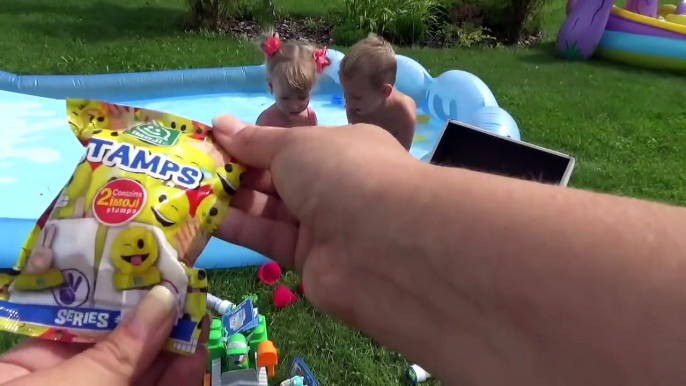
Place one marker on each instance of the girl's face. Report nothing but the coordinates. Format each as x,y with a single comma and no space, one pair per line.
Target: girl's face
289,101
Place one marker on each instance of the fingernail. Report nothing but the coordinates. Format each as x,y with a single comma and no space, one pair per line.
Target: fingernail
152,311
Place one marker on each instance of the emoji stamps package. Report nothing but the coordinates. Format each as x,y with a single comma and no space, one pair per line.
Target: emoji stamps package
139,208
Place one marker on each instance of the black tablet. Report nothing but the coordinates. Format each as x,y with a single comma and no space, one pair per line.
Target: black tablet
468,147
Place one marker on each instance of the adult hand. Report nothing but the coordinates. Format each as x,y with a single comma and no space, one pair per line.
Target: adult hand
315,199
130,355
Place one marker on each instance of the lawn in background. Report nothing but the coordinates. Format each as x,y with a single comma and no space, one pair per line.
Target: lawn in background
625,126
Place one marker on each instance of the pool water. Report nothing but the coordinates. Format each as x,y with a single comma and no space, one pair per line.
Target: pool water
40,143
248,107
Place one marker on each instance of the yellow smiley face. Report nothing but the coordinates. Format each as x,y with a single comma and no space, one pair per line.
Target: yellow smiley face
176,123
86,115
211,211
134,250
75,116
92,116
167,207
228,180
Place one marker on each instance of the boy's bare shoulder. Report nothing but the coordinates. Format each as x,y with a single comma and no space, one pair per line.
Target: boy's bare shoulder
405,110
407,104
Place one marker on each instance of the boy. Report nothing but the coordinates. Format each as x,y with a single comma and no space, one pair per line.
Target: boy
367,76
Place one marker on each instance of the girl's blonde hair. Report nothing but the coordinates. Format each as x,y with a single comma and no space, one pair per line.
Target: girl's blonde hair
293,61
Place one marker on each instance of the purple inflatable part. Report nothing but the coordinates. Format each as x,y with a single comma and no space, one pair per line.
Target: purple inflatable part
621,24
681,8
583,28
572,5
642,7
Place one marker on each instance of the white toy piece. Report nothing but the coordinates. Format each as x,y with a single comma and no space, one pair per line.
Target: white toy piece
417,374
295,381
218,305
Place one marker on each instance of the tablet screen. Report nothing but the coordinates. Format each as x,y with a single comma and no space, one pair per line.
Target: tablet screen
471,148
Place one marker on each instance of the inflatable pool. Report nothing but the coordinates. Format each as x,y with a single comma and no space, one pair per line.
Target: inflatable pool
38,150
642,34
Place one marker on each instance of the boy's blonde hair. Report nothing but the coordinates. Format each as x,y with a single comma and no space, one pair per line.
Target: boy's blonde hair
290,61
373,58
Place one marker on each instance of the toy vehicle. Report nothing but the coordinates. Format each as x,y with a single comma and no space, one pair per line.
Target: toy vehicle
246,358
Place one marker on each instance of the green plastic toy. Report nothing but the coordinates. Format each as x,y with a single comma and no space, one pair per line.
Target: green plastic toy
246,358
237,351
259,334
215,347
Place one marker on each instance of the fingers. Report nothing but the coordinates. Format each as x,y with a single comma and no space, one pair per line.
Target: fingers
125,353
275,239
132,347
259,180
262,205
170,369
35,354
189,370
255,146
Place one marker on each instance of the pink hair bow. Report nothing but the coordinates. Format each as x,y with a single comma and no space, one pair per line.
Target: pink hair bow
271,46
321,59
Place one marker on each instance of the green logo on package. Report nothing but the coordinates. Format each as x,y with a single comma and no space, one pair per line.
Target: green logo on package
154,134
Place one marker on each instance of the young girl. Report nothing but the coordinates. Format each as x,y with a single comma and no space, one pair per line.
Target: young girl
291,73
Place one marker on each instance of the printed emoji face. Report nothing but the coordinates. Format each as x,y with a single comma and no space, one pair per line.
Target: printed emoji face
87,115
94,114
200,131
167,207
228,180
197,278
211,211
177,123
196,297
134,250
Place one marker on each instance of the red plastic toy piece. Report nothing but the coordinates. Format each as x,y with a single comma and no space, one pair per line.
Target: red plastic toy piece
283,297
269,273
301,289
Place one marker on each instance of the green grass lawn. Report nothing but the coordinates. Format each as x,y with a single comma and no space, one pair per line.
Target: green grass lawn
624,125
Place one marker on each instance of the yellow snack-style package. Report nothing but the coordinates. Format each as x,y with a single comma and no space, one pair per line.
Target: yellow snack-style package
137,212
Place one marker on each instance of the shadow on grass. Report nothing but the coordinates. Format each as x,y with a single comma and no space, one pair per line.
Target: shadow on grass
545,54
93,21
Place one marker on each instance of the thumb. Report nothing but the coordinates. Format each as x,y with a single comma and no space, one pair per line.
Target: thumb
253,145
126,352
